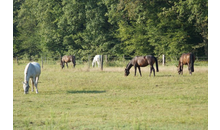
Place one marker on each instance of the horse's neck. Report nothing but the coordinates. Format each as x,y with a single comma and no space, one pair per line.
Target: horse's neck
94,60
27,73
179,63
129,65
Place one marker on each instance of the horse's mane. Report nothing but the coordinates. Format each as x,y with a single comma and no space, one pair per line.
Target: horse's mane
26,68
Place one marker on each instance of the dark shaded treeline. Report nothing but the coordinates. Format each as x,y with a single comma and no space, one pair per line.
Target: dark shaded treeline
119,27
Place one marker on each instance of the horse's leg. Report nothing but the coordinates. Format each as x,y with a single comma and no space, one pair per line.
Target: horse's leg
66,65
182,69
190,71
35,83
150,70
135,68
32,81
62,66
139,70
153,70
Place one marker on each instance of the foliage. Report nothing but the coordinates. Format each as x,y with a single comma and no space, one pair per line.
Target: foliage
120,27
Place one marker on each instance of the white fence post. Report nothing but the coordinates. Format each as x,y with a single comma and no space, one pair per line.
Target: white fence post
101,62
163,60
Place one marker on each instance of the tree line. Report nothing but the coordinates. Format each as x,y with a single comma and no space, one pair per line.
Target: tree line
119,27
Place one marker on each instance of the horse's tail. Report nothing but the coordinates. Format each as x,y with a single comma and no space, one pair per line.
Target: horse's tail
73,60
191,62
156,64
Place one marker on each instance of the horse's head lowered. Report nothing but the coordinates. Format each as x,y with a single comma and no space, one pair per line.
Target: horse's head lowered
179,70
127,72
26,87
61,64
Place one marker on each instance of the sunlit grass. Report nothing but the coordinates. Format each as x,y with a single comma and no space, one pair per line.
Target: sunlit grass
87,98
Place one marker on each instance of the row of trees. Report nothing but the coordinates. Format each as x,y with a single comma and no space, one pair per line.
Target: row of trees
119,27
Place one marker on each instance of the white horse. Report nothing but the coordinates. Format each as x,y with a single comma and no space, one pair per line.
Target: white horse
97,59
32,70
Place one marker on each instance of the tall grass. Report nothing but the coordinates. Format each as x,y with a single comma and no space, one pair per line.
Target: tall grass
87,98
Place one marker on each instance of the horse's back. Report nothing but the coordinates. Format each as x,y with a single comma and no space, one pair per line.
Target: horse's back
65,57
68,58
98,56
185,58
140,61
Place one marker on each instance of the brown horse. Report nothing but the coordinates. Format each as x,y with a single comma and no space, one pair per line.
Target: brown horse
66,59
142,61
186,59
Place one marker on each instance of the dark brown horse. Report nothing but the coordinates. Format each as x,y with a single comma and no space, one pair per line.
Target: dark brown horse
142,61
66,59
186,59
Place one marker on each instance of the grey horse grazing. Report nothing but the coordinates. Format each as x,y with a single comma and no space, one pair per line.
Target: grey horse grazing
33,71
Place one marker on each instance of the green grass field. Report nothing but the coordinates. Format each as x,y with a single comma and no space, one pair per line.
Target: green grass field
82,98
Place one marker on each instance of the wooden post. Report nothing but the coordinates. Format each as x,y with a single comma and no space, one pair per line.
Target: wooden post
101,62
88,61
163,60
17,60
45,60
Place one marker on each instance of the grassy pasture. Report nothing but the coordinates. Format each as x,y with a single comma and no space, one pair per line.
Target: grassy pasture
82,98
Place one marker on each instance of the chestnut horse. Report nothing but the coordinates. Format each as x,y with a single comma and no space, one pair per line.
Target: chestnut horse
142,61
186,59
66,59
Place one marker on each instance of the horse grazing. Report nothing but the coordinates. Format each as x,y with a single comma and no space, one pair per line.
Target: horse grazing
32,70
96,59
66,59
142,61
186,59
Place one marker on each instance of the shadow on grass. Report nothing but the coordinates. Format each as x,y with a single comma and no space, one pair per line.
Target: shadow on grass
165,75
84,91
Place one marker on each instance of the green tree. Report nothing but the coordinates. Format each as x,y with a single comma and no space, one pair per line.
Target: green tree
51,36
119,27
27,28
17,49
72,23
97,37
